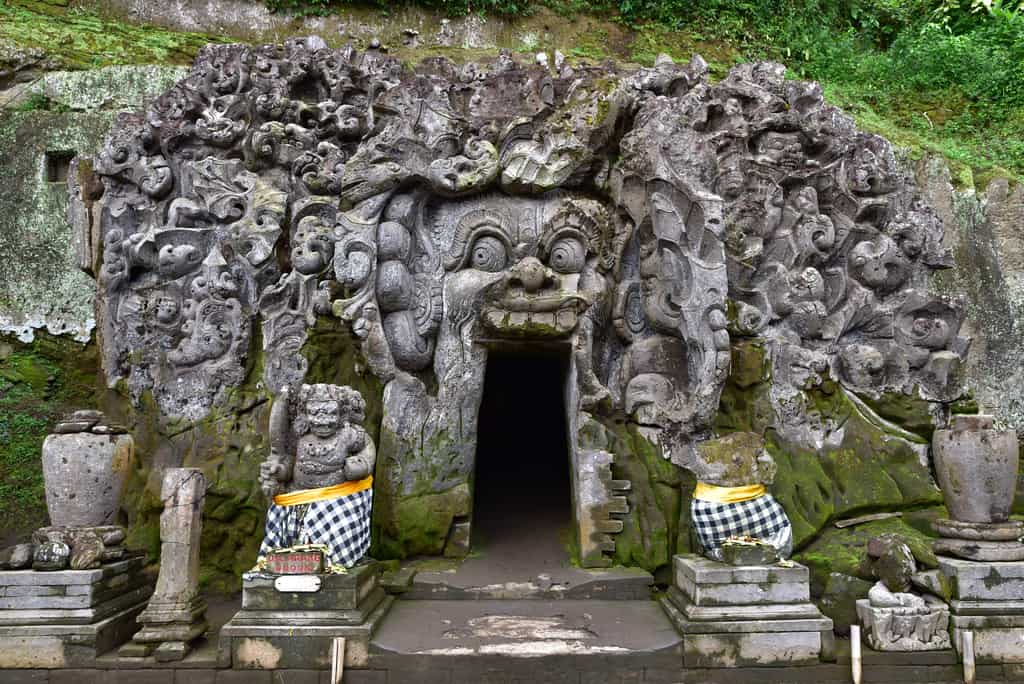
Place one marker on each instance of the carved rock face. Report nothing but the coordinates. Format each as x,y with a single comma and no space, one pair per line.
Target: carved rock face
635,219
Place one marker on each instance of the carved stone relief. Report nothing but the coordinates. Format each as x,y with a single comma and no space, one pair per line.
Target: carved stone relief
639,220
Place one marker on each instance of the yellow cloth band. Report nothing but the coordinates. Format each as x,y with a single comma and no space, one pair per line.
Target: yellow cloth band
708,492
304,496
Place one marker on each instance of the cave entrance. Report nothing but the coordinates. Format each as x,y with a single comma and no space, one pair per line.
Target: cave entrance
522,487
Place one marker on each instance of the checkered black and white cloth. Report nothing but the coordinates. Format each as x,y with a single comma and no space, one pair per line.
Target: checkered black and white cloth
762,518
342,524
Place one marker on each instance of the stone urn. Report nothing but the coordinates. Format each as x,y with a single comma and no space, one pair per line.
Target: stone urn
85,464
976,466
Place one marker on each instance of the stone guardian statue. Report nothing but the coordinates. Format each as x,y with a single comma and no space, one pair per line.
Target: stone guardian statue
735,519
319,475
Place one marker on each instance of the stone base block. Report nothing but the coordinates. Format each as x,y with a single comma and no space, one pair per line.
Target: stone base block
994,644
979,550
903,629
337,591
65,645
250,646
984,581
753,642
709,583
30,597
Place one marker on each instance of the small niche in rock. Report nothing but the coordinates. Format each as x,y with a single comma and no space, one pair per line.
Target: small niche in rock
58,163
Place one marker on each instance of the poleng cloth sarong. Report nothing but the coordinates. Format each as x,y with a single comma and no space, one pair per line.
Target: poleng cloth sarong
337,516
760,517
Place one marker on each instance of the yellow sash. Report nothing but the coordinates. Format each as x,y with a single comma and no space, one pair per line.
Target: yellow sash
304,496
708,492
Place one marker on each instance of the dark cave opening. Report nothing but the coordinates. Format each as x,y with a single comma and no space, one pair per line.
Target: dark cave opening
522,486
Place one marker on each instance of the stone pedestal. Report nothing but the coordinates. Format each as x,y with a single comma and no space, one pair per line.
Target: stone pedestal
175,615
278,627
903,628
993,541
988,599
748,616
68,617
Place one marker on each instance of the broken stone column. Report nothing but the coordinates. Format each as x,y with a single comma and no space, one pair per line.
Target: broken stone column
175,616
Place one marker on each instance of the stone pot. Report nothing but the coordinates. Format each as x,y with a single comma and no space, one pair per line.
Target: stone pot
976,466
84,474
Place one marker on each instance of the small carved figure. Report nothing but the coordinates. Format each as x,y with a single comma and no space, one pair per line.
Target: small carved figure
731,503
319,473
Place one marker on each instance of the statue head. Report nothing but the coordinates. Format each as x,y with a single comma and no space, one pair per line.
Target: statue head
322,409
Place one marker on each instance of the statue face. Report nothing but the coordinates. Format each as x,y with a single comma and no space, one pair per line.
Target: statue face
525,255
167,310
324,417
782,149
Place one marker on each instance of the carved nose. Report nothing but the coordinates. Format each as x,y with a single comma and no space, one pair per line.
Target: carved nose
530,273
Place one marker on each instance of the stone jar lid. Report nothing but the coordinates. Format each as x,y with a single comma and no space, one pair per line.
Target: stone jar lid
88,420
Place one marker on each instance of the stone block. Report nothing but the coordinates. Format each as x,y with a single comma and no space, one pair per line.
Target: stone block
287,645
82,676
994,645
982,581
25,677
359,677
63,645
336,591
751,649
703,571
744,593
9,578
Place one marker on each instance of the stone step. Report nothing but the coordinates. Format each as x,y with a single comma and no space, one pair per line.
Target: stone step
537,635
487,583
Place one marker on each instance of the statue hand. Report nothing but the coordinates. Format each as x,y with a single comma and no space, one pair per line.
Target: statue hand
355,469
272,474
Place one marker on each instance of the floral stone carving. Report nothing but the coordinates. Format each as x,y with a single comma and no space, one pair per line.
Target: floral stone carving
895,617
641,220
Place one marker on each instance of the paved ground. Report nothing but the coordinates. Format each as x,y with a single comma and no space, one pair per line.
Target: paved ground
527,629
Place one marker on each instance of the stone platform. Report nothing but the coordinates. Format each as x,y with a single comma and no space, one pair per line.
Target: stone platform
988,600
68,617
746,616
288,629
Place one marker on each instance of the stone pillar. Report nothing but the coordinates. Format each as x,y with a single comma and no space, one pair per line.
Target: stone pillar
175,615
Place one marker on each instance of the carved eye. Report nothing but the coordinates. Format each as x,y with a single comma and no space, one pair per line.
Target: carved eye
488,254
567,255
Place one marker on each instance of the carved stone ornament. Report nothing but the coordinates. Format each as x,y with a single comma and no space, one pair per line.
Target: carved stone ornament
897,615
639,218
